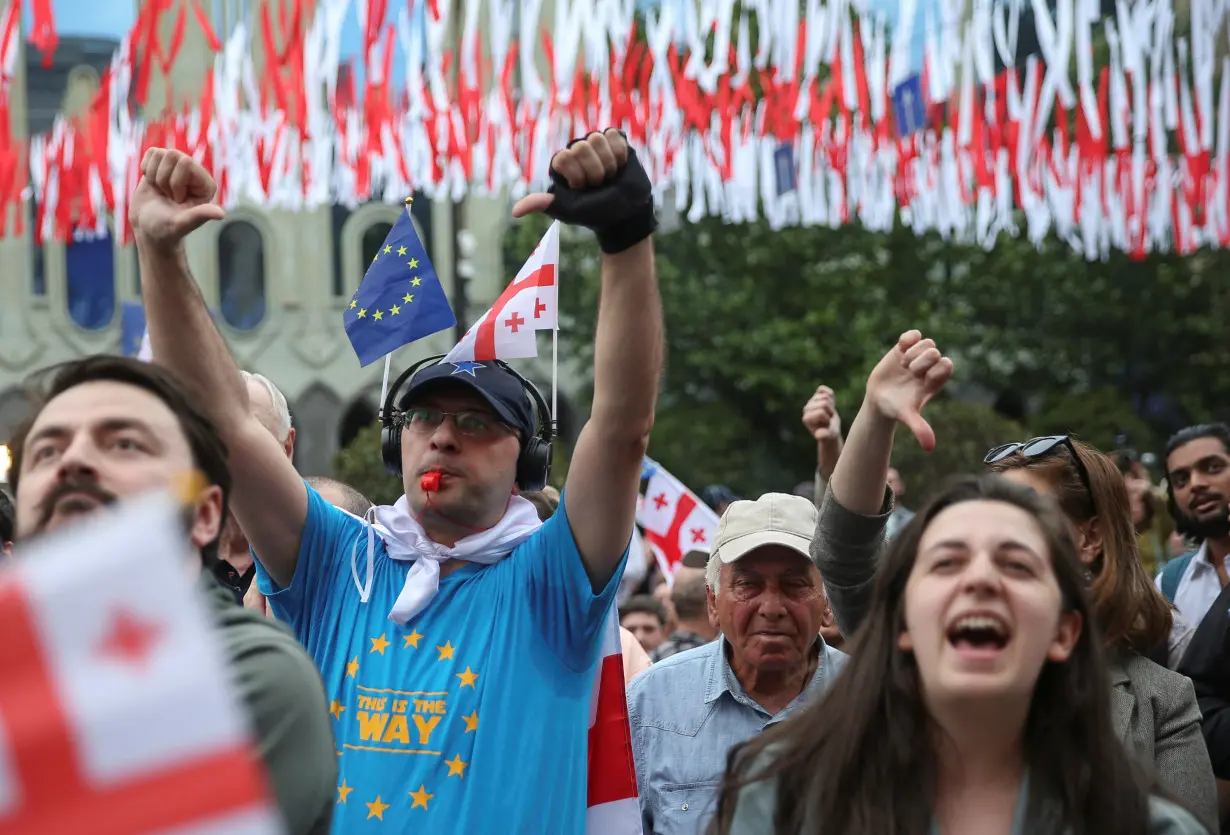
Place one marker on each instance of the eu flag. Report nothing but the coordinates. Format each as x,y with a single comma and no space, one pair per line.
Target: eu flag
400,299
132,329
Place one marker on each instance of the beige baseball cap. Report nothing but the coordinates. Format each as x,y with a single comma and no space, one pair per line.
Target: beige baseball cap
773,519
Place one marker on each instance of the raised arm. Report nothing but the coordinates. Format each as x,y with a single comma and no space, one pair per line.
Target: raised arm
267,496
850,524
600,184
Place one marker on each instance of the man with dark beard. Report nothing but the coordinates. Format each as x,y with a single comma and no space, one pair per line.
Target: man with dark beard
1198,488
110,428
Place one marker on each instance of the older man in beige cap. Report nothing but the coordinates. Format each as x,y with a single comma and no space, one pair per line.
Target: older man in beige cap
689,710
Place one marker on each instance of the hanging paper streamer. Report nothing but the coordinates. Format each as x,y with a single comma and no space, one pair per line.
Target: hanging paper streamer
988,134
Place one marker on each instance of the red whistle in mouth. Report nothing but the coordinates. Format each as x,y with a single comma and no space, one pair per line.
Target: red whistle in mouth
430,482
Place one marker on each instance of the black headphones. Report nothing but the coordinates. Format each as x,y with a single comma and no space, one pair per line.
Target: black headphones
534,463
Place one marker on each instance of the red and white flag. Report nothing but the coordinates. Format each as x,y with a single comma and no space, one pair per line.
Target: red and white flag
528,305
116,716
613,805
674,518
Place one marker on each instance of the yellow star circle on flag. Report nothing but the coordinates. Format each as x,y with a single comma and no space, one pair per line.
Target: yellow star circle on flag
421,797
336,708
408,299
362,314
379,644
467,678
455,766
353,304
414,262
446,651
376,810
378,315
388,249
394,310
412,640
401,250
415,282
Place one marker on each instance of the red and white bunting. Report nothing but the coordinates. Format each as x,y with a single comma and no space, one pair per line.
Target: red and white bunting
1090,160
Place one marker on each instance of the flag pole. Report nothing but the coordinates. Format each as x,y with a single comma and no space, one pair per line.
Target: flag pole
384,385
554,377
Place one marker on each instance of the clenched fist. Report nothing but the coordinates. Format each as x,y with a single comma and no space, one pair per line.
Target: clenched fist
820,416
597,182
172,199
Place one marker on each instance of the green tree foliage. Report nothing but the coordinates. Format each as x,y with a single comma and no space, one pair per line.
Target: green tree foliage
359,464
757,318
964,432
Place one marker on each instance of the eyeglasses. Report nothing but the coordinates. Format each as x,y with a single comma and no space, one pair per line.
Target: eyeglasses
1039,448
470,424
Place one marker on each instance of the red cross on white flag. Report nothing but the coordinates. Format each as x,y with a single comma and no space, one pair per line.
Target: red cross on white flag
675,520
115,713
529,304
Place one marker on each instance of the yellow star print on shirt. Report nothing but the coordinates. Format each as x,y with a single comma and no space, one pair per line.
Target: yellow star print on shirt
471,721
379,644
455,766
376,810
446,651
336,708
412,640
352,669
343,792
467,678
421,797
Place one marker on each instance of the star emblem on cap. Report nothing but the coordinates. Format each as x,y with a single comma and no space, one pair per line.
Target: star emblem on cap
467,368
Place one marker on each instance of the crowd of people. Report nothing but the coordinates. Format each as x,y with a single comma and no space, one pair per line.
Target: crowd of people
1000,660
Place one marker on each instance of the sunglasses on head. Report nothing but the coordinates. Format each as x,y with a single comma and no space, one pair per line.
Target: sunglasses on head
1039,448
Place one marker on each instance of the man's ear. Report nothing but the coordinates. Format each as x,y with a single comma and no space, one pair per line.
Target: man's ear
711,608
206,517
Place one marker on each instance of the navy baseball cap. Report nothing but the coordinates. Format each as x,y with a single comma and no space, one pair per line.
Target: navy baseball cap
497,385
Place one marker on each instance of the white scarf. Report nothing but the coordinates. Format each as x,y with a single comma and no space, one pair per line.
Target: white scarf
405,539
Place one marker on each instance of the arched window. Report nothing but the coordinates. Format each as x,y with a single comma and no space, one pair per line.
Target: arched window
89,265
373,240
241,274
358,416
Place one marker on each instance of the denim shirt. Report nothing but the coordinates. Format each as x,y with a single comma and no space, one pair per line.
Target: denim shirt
687,712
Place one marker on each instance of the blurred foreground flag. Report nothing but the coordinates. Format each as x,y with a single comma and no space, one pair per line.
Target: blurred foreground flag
400,299
116,714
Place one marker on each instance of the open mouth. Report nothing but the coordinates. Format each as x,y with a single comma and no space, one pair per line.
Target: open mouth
979,634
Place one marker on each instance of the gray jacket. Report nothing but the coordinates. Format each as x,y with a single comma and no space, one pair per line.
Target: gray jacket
757,806
1154,709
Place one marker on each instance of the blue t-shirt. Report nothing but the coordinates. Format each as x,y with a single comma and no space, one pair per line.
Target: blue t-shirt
473,717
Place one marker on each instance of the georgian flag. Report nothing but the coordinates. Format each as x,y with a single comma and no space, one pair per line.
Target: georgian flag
613,805
675,519
528,305
116,716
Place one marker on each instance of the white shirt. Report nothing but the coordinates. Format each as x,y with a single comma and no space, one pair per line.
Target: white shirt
1198,587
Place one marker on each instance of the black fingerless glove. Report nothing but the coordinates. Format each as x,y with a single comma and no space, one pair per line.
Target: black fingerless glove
620,211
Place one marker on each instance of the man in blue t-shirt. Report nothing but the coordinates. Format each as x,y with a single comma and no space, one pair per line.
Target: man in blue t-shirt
458,637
